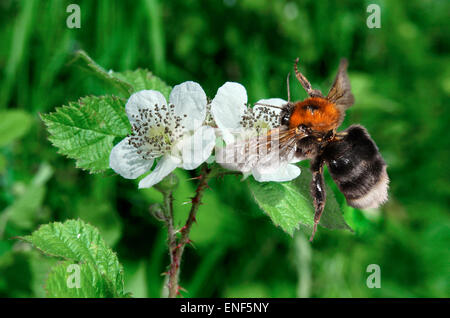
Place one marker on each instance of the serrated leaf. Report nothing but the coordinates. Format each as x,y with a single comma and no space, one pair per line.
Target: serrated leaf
85,130
332,217
81,243
285,205
289,204
141,79
13,125
69,280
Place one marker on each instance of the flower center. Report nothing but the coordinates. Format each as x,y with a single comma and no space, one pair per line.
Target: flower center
261,119
159,134
262,126
155,131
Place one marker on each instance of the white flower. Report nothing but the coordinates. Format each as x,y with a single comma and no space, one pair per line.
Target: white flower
173,132
244,131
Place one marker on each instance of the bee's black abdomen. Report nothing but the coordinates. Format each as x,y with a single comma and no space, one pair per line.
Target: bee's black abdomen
358,168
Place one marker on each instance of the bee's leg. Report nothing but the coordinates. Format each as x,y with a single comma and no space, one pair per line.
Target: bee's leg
317,191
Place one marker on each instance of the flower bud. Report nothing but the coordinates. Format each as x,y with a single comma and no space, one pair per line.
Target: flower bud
157,211
169,183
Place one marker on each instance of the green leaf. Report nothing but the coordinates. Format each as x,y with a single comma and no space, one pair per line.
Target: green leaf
86,130
68,280
14,125
79,243
289,204
141,79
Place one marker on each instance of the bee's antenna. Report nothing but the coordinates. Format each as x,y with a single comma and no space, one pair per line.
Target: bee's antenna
288,89
305,83
267,105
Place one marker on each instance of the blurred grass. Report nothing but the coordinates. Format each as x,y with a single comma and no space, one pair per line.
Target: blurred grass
401,79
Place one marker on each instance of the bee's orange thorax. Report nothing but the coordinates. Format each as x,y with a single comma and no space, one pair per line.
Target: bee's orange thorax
315,112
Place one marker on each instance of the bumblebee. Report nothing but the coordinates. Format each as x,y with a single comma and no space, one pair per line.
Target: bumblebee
352,157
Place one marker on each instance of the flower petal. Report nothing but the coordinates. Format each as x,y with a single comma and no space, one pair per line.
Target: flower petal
227,108
190,100
257,109
197,148
125,160
144,100
165,166
238,156
284,173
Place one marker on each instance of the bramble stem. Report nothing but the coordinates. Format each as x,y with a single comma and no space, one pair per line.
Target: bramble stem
100,72
177,246
172,238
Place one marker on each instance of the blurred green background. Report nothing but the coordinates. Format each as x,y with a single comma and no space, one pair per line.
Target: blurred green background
400,75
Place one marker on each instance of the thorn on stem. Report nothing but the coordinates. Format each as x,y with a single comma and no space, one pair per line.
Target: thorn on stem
182,289
191,243
195,178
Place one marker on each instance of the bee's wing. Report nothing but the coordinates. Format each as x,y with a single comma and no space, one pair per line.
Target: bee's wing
268,151
239,155
340,92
